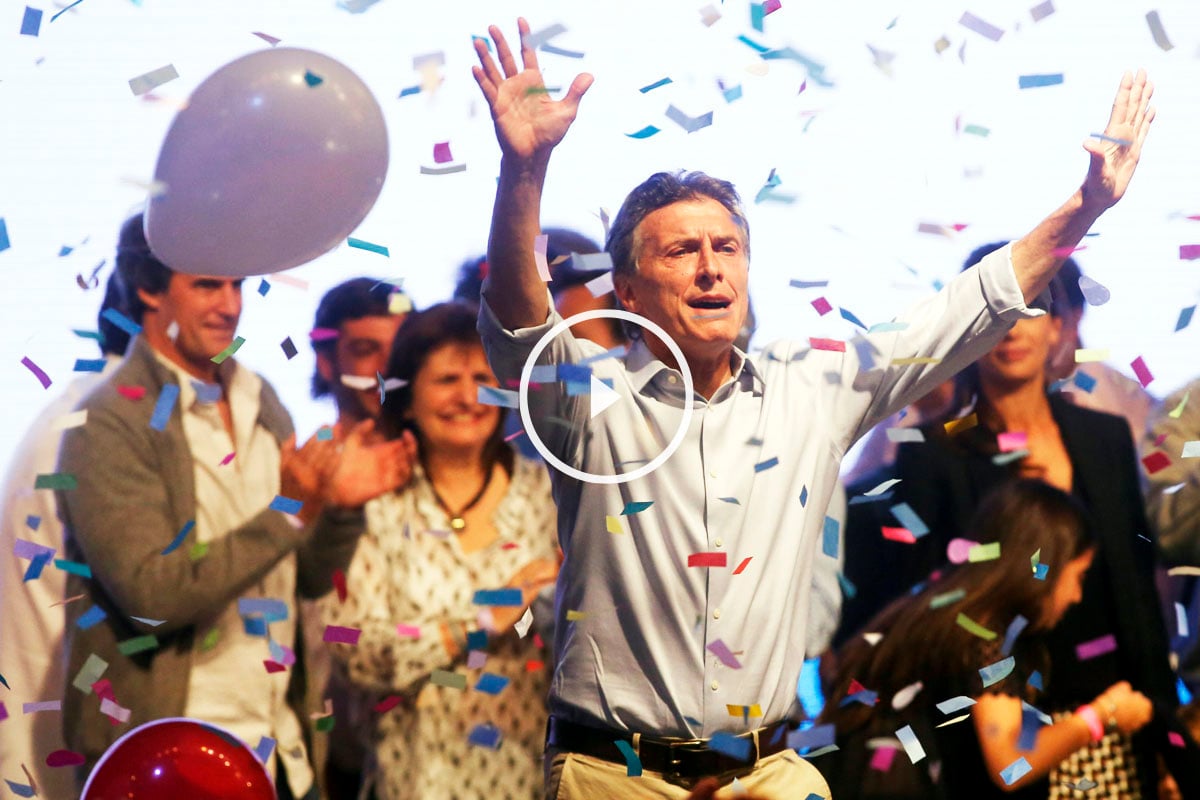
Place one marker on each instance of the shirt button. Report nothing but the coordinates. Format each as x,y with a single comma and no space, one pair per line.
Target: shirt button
718,542
714,686
716,613
671,379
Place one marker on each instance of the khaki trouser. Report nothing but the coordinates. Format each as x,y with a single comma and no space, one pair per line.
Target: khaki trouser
573,776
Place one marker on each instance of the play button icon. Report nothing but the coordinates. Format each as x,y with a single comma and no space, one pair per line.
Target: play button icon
602,397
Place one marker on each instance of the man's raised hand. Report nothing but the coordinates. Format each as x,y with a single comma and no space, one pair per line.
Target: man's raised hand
528,123
1115,157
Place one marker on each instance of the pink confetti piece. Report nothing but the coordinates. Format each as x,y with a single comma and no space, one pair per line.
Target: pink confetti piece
1064,252
898,535
341,635
724,654
983,28
1175,739
1096,647
387,704
409,631
1011,441
134,393
274,666
771,6
822,306
227,459
323,334
1189,252
881,759
290,280
115,711
441,153
742,565
64,758
1155,462
271,40
476,659
706,560
540,243
37,371
44,705
1142,371
832,345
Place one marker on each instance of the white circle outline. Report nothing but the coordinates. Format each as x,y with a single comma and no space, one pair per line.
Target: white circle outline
527,374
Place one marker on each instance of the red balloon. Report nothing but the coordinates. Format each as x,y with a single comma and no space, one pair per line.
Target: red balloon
170,759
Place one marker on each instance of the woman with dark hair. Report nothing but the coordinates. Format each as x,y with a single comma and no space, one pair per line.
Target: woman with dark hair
948,642
454,688
1005,424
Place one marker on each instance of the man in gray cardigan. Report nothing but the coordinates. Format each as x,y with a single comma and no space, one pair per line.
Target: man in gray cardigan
199,525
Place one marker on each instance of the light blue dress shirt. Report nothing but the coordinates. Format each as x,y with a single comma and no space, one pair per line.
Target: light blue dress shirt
637,629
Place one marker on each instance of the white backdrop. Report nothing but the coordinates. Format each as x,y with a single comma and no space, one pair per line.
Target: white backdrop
867,158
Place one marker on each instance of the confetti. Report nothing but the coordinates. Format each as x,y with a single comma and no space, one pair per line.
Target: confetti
312,79
1096,647
4,242
644,133
31,23
91,617
709,15
450,680
984,552
1093,292
44,705
706,560
719,649
1015,771
994,673
1156,30
1187,252
763,466
909,519
1155,462
1037,81
1042,10
728,744
65,758
689,124
633,764
498,597
37,371
91,671
491,396
287,505
62,481
487,736
829,537
151,80
1185,318
1010,636
523,624
441,171
652,86
831,345
984,29
137,644
899,435
974,627
959,425
341,635
912,746
636,507
742,565
955,704
1141,371
903,535
822,306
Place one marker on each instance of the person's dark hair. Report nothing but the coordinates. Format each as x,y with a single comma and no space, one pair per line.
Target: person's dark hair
1068,280
470,279
967,390
138,267
658,191
352,299
419,335
922,643
113,339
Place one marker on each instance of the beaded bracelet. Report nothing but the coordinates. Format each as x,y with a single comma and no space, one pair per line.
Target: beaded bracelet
1088,715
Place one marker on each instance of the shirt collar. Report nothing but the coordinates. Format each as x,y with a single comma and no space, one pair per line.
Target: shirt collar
643,367
193,391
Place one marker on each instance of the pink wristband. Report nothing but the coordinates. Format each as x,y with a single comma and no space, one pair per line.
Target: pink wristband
1095,728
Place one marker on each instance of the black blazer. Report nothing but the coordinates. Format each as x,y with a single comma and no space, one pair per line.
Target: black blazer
944,480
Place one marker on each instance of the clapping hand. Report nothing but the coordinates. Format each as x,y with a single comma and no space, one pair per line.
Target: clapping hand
528,123
1115,157
366,467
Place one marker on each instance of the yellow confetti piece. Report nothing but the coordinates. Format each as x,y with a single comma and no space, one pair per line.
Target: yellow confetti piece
902,362
960,425
575,616
984,552
1178,410
740,711
974,627
952,721
613,524
1087,355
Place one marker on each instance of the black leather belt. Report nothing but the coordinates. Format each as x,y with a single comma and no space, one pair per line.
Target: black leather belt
682,762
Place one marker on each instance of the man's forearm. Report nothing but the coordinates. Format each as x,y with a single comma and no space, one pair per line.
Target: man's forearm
1037,256
514,289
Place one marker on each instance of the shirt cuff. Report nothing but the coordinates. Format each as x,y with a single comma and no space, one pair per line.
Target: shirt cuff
489,325
998,281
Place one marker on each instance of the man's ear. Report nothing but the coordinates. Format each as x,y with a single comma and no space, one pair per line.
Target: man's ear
325,367
623,287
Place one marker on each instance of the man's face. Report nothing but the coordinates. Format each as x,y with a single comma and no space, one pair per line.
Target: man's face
692,275
205,310
362,349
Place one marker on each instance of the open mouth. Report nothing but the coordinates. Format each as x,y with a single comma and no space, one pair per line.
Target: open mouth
709,304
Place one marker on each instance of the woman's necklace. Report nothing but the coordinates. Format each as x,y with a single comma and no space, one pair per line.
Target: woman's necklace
457,523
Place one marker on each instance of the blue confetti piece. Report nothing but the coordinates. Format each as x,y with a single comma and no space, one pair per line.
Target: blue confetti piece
909,519
33,521
1035,680
269,608
19,789
32,22
730,745
849,317
1015,771
544,373
866,697
207,393
266,746
1036,81
848,587
651,87
753,45
733,93
574,372
491,396
4,243
636,507
312,79
813,738
803,496
1085,381
256,626
733,501
829,537
485,736
633,764
644,133
410,90
121,321
994,673
1185,318
362,244
36,565
498,597
577,388
179,537
263,287
163,407
1030,725
68,8
286,504
1040,571
73,567
1014,630
490,683
324,433
89,365
92,616
762,466
477,640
